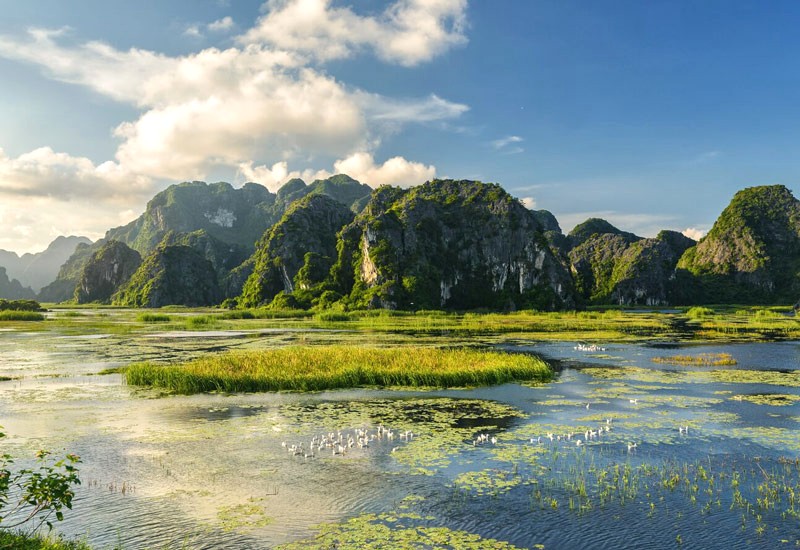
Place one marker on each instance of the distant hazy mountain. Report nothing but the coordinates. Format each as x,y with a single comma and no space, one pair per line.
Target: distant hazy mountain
12,289
39,269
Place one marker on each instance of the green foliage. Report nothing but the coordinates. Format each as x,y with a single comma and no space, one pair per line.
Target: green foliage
23,541
35,494
329,367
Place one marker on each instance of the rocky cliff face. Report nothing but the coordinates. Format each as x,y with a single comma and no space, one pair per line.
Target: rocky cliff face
63,288
752,254
105,272
615,267
12,289
298,252
171,275
592,264
456,244
644,274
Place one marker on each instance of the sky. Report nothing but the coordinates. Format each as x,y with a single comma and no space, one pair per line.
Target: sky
648,114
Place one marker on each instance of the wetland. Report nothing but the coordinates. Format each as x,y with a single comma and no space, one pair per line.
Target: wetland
619,448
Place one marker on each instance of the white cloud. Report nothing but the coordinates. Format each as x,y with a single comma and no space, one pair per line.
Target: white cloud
407,32
46,173
44,194
395,171
695,233
221,25
226,107
193,31
528,202
503,142
360,166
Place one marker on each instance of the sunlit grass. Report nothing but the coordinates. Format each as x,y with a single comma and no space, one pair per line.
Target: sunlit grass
11,315
700,360
329,367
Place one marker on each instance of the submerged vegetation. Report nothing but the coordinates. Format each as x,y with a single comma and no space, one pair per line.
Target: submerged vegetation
329,367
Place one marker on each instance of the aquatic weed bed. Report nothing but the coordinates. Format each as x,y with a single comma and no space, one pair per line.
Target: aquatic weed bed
330,367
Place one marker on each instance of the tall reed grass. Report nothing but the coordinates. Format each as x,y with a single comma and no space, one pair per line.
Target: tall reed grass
330,367
11,315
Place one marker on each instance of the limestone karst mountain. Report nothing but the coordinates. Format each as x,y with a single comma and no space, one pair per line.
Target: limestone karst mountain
455,244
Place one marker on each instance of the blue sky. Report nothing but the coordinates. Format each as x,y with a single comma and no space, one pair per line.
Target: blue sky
649,114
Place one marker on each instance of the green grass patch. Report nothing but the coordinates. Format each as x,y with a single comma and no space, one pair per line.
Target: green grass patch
699,312
153,318
700,360
201,321
329,367
24,541
12,315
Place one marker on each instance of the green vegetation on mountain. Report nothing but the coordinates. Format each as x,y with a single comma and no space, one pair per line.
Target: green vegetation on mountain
233,216
171,275
751,254
341,188
111,266
447,243
597,226
297,253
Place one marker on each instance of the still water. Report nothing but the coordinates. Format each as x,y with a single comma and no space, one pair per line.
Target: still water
669,455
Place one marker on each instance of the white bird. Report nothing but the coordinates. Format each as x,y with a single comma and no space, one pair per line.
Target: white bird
587,405
578,442
634,401
494,441
631,447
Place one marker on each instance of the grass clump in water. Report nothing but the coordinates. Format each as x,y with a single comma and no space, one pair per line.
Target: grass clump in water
153,318
701,360
12,315
699,312
330,367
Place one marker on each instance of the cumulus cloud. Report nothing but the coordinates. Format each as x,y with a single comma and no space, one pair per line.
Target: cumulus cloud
361,166
226,107
46,173
221,25
408,32
528,202
44,194
395,171
695,233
